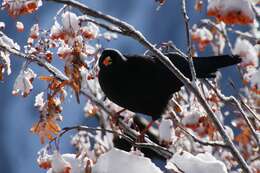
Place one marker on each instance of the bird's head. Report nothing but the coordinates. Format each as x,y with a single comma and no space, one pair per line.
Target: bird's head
110,58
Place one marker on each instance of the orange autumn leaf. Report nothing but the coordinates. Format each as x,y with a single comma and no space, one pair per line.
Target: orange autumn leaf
48,56
198,5
31,7
46,78
45,129
255,90
213,98
161,2
244,136
45,165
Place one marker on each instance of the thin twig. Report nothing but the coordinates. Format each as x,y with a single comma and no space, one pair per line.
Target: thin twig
195,138
233,100
242,102
244,35
53,70
130,132
190,59
255,11
107,27
153,146
250,110
222,31
204,142
171,45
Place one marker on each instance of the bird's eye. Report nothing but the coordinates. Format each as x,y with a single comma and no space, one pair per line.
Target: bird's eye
107,61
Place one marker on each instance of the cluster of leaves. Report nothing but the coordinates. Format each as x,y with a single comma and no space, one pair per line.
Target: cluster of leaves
74,40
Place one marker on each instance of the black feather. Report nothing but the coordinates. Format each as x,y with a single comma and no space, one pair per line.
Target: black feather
143,84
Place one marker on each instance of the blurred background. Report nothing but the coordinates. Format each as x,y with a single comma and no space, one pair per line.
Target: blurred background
19,147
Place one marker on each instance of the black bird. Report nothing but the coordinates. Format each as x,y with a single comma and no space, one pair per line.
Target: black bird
142,84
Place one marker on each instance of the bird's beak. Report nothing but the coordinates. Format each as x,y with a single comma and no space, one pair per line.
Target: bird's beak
107,61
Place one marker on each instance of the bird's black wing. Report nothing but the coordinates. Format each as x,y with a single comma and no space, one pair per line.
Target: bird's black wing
152,83
205,67
143,70
153,68
150,72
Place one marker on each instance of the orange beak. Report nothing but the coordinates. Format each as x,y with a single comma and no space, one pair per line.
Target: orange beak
107,61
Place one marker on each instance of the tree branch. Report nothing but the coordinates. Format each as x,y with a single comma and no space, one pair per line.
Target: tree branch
233,100
107,27
158,149
204,142
53,70
222,31
186,21
195,138
130,132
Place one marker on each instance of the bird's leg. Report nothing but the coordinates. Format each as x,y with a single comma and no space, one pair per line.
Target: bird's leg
116,115
140,138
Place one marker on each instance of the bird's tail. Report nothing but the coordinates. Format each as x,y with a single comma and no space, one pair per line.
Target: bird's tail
207,66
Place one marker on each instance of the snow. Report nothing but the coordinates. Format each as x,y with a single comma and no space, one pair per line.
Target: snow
23,82
255,78
2,25
247,52
6,59
109,36
34,31
230,11
90,109
66,163
64,51
59,164
90,30
256,165
229,4
192,118
90,50
118,161
89,60
219,40
39,102
55,30
255,1
203,33
8,42
254,31
166,131
19,26
201,163
18,7
70,21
